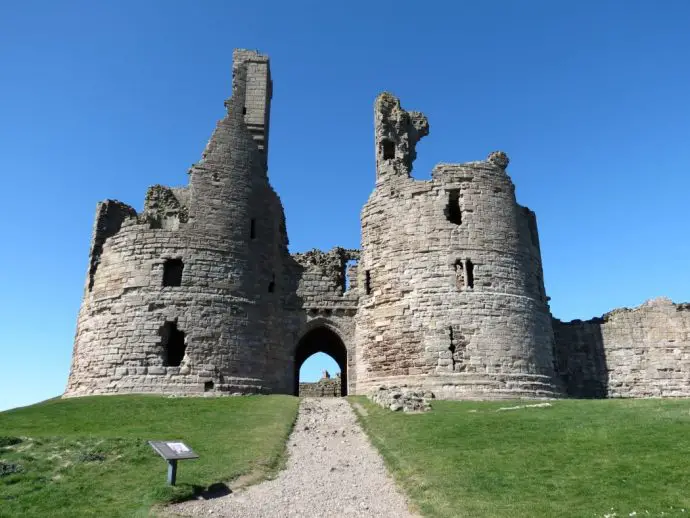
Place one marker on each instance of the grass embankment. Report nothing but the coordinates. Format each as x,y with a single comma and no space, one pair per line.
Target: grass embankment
89,456
573,459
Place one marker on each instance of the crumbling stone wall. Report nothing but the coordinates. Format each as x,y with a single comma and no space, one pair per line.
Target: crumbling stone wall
198,292
227,232
453,298
323,299
640,352
325,387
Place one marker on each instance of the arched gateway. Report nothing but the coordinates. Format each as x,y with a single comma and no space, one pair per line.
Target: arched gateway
321,340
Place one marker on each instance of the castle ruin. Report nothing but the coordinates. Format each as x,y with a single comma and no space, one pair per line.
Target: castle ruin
198,293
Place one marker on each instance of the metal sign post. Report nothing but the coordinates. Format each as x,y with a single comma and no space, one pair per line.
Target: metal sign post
172,472
172,451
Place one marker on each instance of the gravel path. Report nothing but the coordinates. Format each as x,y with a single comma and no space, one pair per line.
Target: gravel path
332,470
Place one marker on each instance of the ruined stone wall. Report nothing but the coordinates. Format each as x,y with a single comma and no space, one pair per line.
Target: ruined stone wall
323,299
198,293
226,232
323,388
640,352
450,280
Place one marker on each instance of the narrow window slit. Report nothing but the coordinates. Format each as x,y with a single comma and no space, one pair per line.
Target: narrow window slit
252,229
533,231
367,282
92,271
388,148
451,347
272,284
469,267
459,274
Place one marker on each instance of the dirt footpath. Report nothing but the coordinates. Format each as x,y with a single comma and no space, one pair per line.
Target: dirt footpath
332,470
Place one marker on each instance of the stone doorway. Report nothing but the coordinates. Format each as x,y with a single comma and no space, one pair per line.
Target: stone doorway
321,340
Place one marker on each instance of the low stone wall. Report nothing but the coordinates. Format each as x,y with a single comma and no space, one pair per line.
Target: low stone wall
322,388
640,352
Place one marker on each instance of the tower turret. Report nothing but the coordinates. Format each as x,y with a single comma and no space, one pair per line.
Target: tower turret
256,98
452,296
186,296
396,135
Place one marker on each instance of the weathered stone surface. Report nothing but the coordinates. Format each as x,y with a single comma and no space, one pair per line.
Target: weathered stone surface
640,352
454,297
499,159
199,294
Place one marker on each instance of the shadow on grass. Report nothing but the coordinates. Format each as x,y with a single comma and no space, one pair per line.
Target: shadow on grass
186,492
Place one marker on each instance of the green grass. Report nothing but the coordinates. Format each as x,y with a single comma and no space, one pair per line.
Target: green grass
89,456
573,459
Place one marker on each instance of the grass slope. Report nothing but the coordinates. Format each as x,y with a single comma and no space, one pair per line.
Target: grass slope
573,459
89,456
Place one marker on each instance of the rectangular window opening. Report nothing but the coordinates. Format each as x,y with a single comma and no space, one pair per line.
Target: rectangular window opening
272,284
367,282
172,340
252,229
347,274
172,272
453,212
388,148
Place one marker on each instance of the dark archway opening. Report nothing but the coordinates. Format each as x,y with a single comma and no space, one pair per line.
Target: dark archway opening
321,340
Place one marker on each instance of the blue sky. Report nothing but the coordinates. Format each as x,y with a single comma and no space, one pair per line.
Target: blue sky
590,99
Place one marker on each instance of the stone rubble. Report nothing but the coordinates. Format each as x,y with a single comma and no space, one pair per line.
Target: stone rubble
402,398
519,407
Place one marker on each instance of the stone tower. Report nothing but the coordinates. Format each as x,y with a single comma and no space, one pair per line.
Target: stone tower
452,296
186,296
198,292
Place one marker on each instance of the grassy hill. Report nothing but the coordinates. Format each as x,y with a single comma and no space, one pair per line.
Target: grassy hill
89,456
614,458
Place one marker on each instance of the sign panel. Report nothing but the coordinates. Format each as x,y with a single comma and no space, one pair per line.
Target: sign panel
173,450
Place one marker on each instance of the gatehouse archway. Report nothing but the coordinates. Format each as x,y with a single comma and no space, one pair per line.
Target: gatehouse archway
322,340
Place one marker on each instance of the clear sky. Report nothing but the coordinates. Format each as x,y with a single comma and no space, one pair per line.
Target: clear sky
589,98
